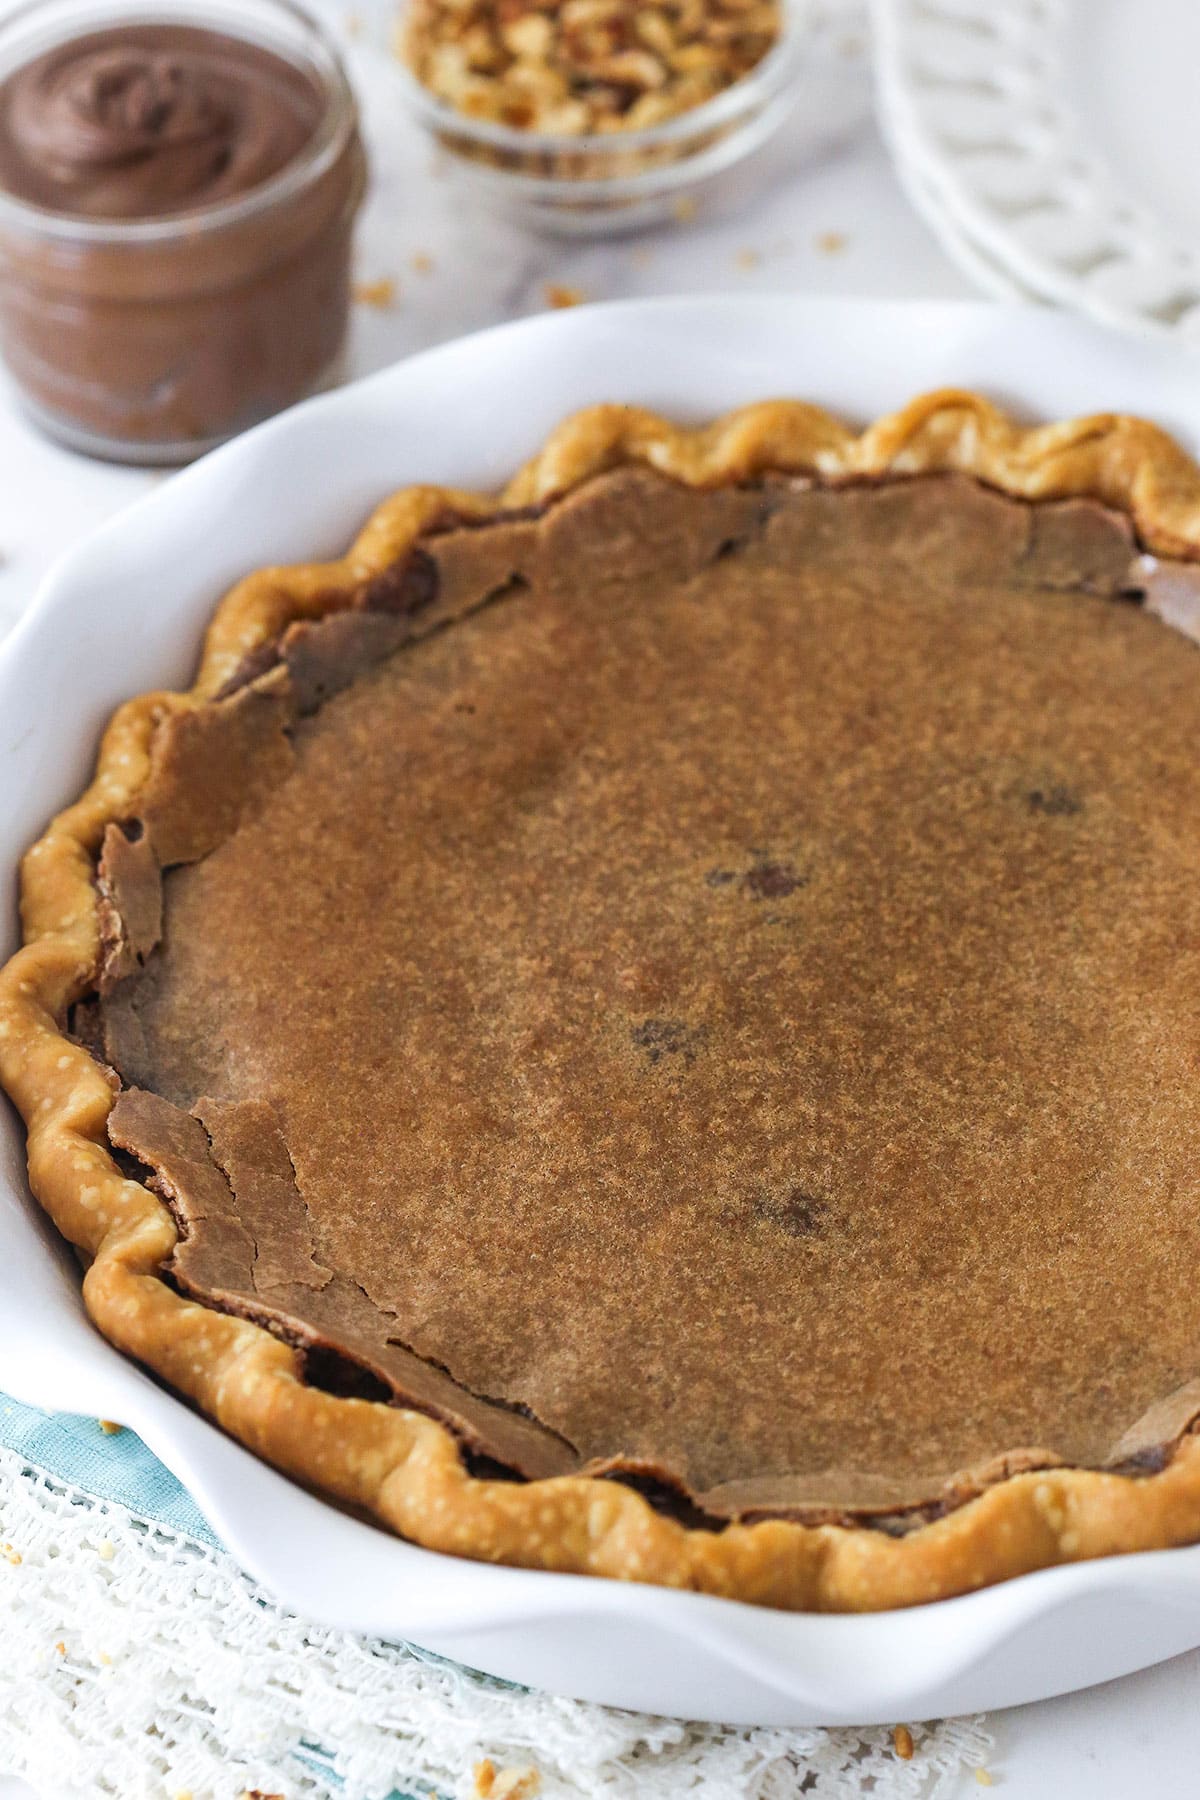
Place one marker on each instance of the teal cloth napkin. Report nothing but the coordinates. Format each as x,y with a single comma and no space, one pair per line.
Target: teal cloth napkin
114,1466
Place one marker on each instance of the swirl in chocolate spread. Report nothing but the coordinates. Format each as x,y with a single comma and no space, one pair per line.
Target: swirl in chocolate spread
143,121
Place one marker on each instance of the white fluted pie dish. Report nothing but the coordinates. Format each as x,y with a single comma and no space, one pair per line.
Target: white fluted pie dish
124,613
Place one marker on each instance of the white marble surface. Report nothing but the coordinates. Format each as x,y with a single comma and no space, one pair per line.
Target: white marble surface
825,215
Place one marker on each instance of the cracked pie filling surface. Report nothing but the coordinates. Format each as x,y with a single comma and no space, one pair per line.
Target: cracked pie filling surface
649,1026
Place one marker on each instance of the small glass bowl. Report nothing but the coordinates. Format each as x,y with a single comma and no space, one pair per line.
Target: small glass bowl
602,184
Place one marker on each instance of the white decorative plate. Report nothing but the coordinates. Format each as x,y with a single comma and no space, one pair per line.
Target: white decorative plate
124,613
1058,138
976,263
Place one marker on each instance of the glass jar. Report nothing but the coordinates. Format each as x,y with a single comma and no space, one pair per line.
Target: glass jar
151,338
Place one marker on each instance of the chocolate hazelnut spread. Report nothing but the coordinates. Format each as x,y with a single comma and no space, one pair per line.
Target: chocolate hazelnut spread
142,120
176,205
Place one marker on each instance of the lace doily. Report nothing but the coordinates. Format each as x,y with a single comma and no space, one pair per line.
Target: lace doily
142,1664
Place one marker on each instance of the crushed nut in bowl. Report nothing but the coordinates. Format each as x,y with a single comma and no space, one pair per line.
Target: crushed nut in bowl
597,115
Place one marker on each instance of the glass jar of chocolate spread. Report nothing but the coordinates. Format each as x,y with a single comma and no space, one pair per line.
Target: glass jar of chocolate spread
178,185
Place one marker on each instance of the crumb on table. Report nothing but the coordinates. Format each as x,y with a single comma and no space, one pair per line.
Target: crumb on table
559,296
379,294
902,1739
492,1783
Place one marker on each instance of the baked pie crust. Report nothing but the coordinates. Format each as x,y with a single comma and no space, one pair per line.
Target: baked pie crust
90,921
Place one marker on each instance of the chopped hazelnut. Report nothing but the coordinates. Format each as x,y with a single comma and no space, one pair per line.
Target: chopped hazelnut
518,64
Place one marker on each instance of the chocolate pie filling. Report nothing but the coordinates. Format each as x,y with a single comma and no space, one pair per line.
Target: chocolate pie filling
702,984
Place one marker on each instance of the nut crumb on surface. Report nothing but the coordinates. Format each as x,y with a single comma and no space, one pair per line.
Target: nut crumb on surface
684,208
492,1783
421,262
747,259
106,1550
379,294
109,1427
831,243
559,296
902,1739
584,66
984,1778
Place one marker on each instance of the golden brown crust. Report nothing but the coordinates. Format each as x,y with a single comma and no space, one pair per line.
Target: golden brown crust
402,1465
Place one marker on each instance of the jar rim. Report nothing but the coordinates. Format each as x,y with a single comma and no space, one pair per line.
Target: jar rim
334,130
